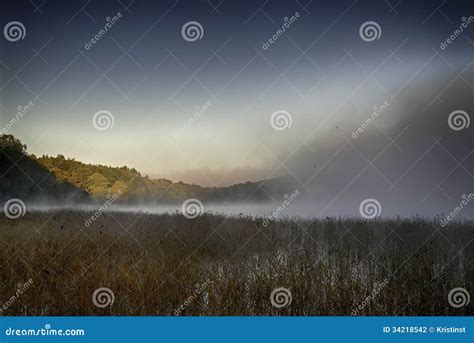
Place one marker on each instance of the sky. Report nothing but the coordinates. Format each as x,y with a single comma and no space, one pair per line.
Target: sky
199,109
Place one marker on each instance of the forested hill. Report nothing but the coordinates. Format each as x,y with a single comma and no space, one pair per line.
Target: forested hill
23,177
65,180
103,181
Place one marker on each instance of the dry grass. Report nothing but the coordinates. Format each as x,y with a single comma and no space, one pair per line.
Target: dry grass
153,263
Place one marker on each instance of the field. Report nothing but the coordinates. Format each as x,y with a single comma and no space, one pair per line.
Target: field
226,266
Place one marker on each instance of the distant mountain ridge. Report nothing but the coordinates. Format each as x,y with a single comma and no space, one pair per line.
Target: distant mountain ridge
90,182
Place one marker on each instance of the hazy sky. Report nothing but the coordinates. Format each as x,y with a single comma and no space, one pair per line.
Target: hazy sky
151,80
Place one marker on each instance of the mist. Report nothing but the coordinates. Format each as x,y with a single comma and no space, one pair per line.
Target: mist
405,152
407,157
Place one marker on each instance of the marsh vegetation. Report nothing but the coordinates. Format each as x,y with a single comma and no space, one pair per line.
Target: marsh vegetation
156,263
